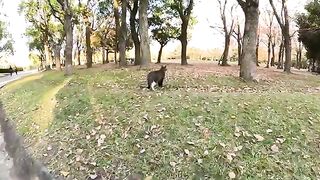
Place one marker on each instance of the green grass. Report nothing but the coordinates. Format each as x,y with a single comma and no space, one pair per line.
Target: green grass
183,131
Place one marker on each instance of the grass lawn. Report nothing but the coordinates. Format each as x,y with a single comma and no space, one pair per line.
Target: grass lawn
202,125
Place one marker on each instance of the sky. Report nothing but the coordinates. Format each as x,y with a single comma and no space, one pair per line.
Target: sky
203,37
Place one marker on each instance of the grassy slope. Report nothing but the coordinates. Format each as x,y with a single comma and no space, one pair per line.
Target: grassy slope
105,123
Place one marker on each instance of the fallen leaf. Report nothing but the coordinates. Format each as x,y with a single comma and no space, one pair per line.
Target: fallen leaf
222,144
259,137
187,152
232,175
65,173
200,161
102,136
236,149
190,143
93,176
230,156
148,178
49,148
173,164
145,117
142,151
206,152
275,148
237,134
233,117
281,140
269,130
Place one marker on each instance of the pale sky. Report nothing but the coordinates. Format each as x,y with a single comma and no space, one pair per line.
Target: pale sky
203,36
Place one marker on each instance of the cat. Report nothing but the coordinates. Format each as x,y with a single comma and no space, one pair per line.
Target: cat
156,77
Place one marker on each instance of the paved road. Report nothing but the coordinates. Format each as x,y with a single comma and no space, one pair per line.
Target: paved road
6,79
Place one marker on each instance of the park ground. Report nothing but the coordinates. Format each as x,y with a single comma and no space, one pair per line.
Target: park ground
206,123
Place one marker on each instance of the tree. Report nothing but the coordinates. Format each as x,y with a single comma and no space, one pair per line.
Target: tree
309,34
123,34
145,54
269,23
133,7
162,29
6,42
237,34
248,58
37,13
62,10
285,29
184,10
227,32
86,11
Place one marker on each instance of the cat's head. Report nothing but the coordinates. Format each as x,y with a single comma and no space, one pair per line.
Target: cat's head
163,68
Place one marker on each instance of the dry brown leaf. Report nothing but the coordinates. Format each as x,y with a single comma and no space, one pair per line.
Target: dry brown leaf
173,164
187,152
142,151
206,152
93,176
269,130
148,178
232,175
259,137
65,173
275,148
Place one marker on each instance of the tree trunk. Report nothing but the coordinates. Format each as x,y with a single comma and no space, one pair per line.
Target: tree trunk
273,54
103,55
69,42
134,33
280,60
257,50
123,34
287,47
117,22
224,61
184,42
78,57
160,54
269,53
88,45
47,56
143,29
57,50
248,59
299,56
107,56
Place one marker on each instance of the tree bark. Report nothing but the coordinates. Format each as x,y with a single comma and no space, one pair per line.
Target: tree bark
285,29
273,53
69,41
47,56
57,58
123,34
103,55
269,53
257,50
117,22
248,59
280,59
88,46
107,56
184,42
224,61
239,42
134,33
160,53
145,54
